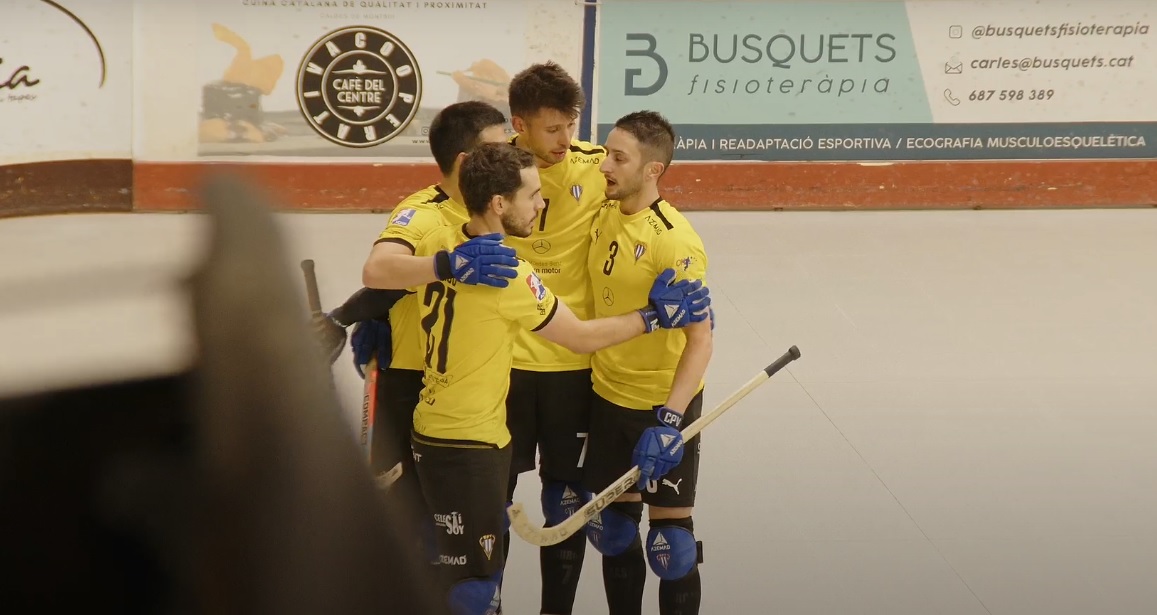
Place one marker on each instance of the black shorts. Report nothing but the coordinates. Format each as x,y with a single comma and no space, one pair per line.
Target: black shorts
464,485
398,392
614,433
549,411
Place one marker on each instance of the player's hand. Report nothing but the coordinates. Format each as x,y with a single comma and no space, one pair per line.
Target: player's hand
370,337
680,303
482,260
329,334
660,448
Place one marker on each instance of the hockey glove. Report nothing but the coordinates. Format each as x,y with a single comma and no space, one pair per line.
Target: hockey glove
481,260
660,448
330,335
676,305
370,337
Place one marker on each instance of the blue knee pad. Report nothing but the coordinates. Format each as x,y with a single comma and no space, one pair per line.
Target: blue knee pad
613,531
476,596
672,550
561,500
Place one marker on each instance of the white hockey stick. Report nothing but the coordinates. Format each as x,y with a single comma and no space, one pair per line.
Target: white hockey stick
545,536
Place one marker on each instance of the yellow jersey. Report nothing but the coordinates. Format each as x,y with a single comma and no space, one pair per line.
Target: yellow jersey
415,217
627,253
469,333
557,248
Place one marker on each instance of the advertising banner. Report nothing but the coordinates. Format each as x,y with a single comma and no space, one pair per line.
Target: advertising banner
66,88
347,78
916,80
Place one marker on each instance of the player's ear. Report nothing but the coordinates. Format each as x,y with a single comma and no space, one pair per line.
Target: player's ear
458,160
655,170
497,204
518,124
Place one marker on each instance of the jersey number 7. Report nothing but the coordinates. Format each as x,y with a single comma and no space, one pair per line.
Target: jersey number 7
442,311
542,215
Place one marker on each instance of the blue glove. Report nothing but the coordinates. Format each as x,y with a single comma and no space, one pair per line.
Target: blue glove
370,337
660,448
481,260
676,305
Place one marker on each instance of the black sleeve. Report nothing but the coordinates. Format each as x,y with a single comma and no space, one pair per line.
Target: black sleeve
367,304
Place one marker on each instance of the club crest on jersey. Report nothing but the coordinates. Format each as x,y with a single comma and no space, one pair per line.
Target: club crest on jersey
684,263
404,217
576,191
536,287
640,250
487,543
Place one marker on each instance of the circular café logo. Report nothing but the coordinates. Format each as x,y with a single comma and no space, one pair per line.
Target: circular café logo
359,86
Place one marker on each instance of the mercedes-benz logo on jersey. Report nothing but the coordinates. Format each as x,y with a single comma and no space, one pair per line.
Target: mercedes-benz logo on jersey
541,246
608,296
359,86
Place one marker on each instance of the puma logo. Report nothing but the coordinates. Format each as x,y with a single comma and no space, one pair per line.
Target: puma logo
673,485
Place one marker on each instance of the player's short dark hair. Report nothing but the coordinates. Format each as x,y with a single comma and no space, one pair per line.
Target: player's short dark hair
655,134
545,86
490,169
458,128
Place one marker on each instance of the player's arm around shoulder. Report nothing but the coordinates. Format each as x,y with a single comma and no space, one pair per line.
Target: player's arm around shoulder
586,336
478,260
393,262
669,306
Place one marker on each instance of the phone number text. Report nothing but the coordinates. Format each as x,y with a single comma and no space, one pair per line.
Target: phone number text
1011,95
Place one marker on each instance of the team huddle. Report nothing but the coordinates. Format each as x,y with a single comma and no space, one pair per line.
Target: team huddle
546,309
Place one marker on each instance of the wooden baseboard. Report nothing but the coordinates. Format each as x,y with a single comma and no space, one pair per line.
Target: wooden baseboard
66,186
722,186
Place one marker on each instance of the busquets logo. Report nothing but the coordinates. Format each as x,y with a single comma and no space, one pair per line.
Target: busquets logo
359,86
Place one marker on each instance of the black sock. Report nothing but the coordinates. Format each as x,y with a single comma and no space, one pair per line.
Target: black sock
560,566
506,559
625,575
511,483
681,596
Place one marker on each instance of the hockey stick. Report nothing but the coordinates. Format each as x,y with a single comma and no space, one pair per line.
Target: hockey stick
369,407
370,392
312,294
545,536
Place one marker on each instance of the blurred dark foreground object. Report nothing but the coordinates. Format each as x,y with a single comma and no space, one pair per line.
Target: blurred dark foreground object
232,488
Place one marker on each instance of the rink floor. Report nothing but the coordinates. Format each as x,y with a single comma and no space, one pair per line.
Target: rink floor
972,428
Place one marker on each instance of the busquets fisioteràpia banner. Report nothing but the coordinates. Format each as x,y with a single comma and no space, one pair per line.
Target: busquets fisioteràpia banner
917,80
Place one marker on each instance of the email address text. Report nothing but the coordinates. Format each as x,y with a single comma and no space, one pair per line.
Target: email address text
1028,63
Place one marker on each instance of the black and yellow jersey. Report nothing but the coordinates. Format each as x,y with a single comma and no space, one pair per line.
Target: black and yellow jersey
415,217
573,190
469,335
627,253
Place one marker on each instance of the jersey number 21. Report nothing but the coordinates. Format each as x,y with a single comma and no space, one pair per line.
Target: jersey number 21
442,298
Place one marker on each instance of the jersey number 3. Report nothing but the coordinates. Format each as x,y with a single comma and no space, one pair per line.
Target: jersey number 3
610,264
442,311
